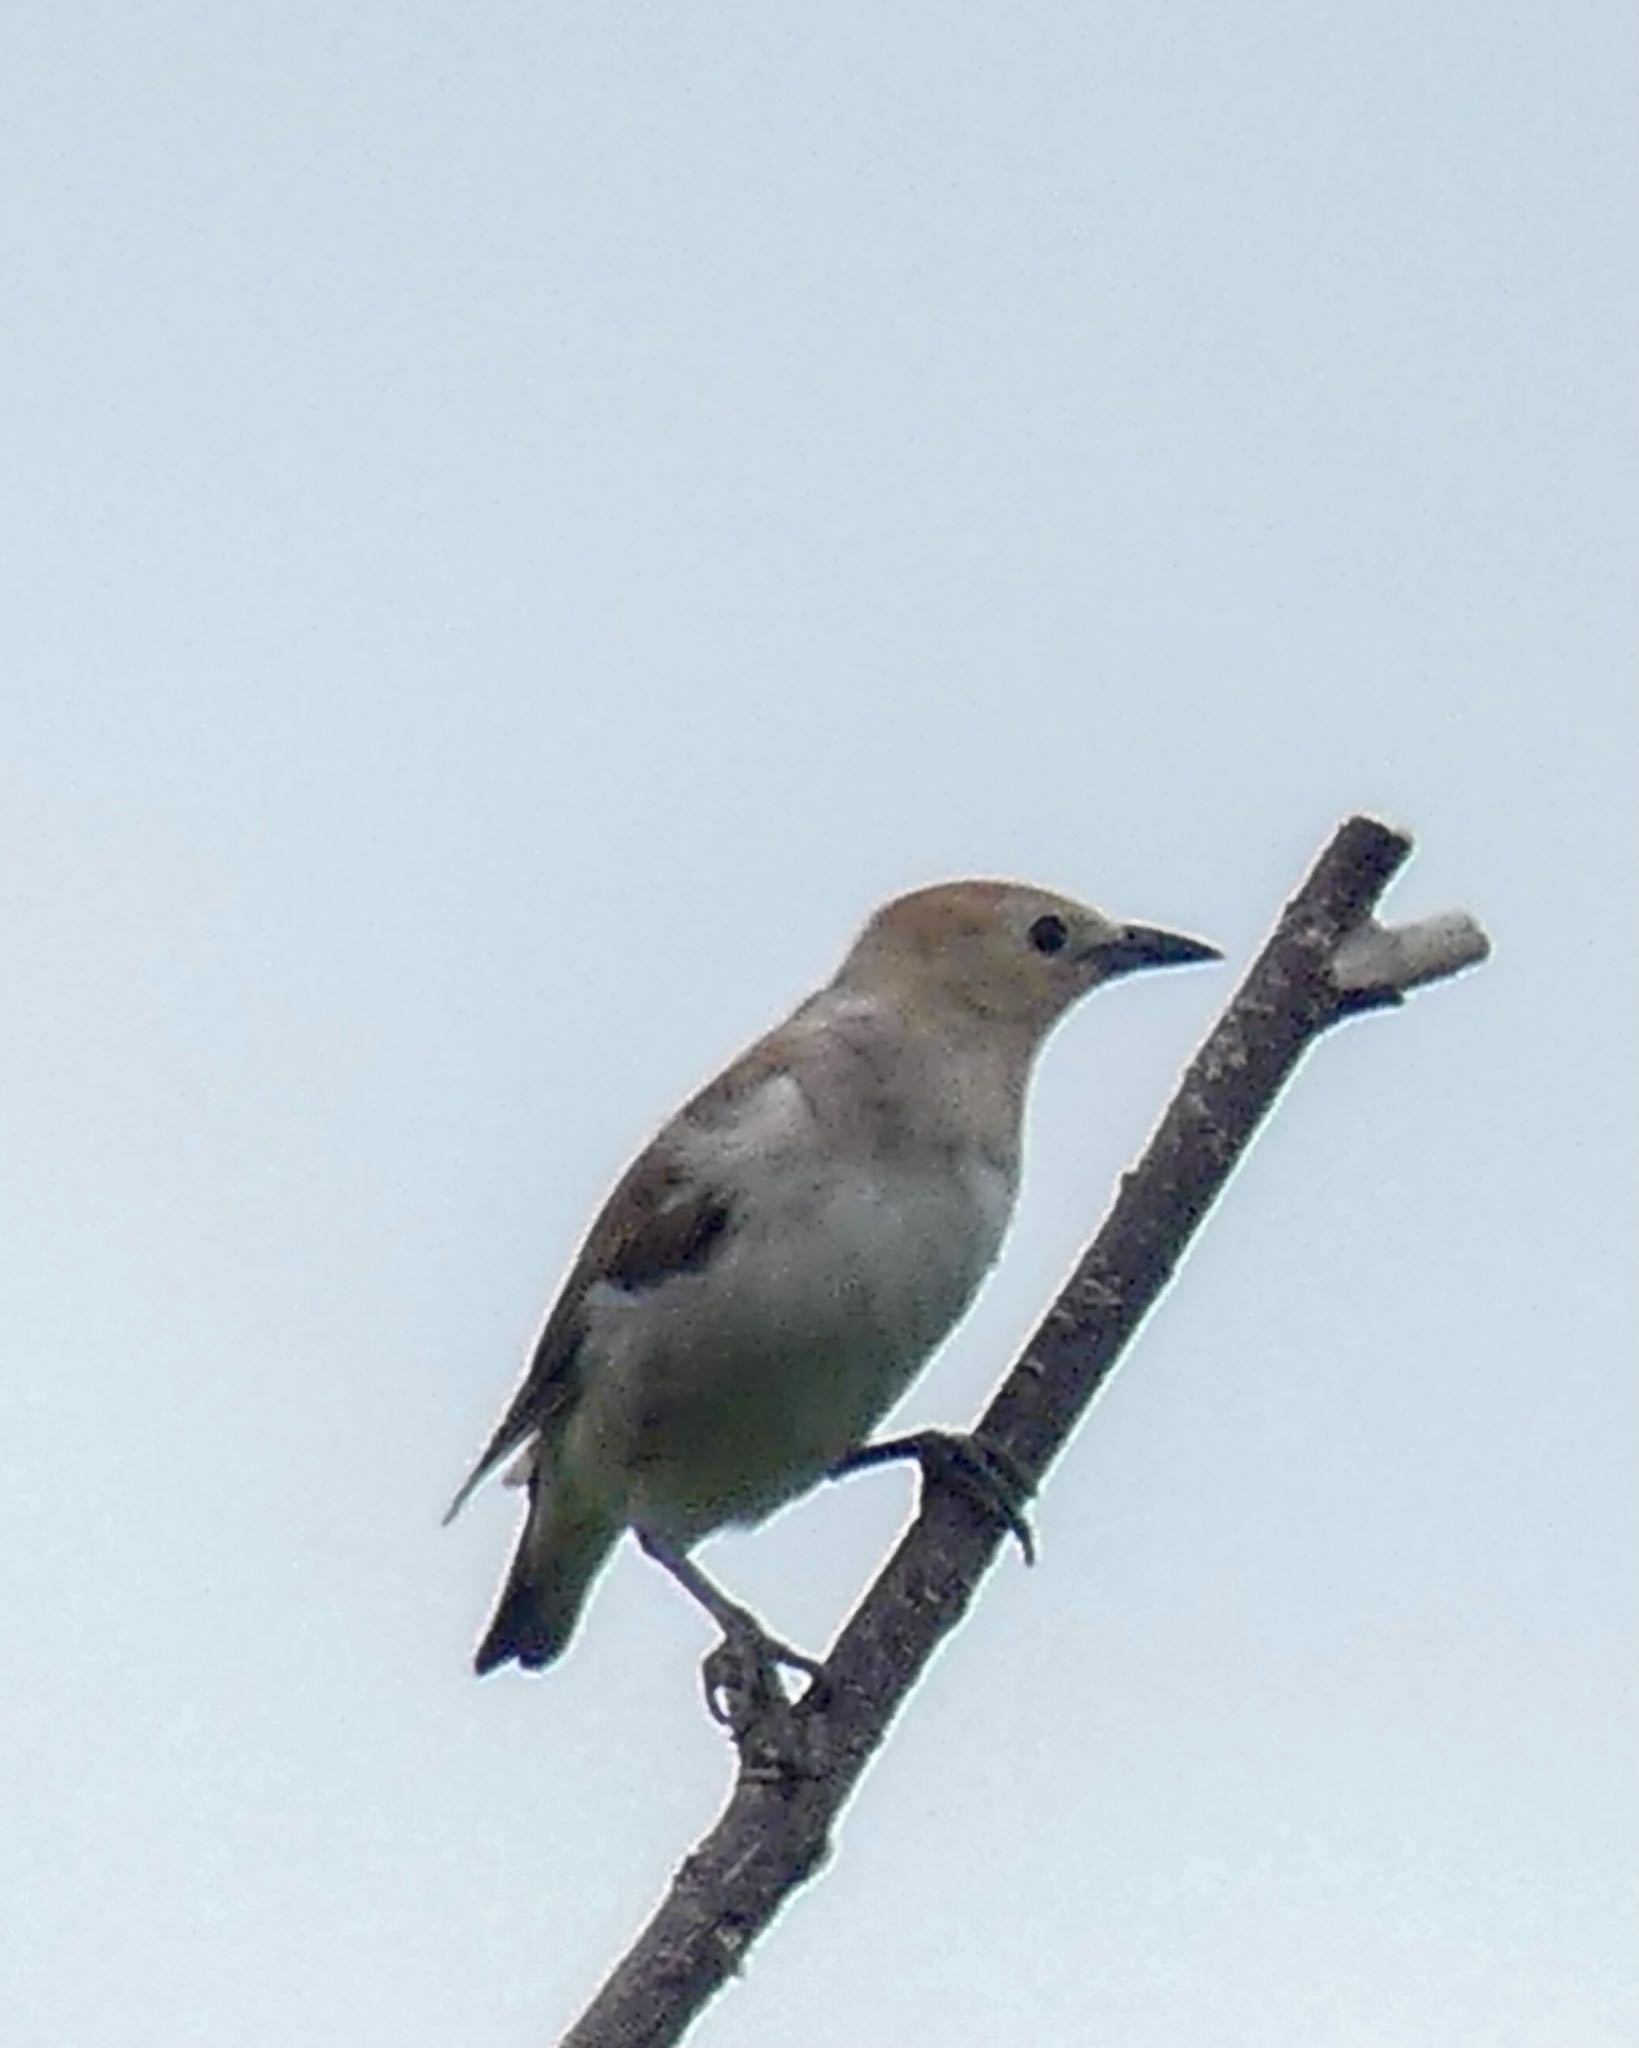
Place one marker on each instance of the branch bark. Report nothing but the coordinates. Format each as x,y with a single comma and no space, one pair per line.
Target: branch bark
1327,959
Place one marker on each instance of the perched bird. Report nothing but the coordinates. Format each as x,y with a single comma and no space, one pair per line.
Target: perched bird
778,1265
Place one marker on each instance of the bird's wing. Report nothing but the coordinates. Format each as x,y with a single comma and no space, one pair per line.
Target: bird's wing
667,1216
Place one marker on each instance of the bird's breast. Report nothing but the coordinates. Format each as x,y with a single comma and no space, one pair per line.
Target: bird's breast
901,1249
742,1385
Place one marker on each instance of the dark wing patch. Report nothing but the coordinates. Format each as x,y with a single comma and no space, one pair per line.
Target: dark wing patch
677,1235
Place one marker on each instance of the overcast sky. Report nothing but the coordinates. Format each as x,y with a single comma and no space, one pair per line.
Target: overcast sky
520,525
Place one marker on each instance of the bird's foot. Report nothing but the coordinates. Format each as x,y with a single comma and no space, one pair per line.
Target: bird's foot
741,1676
985,1471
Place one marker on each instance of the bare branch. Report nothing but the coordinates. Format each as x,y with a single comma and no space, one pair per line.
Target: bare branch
799,1763
1401,956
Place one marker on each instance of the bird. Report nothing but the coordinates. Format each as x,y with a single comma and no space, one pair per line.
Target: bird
784,1257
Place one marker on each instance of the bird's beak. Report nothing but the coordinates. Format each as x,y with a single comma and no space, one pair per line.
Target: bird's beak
1142,945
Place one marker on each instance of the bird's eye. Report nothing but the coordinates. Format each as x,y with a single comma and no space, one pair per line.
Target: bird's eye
1048,934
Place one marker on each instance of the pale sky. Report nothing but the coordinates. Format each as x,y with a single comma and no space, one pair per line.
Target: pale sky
521,524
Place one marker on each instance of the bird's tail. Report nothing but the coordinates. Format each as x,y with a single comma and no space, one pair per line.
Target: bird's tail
560,1552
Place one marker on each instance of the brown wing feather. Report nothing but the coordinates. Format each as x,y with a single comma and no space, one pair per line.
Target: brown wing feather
660,1221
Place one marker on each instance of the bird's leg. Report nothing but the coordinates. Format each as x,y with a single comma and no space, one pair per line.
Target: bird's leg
739,1674
984,1469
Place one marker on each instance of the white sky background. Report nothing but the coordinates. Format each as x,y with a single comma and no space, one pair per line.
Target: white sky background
520,524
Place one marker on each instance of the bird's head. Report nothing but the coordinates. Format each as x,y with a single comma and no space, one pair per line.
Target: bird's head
1014,955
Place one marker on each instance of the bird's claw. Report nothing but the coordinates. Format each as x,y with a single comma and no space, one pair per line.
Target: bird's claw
740,1678
989,1473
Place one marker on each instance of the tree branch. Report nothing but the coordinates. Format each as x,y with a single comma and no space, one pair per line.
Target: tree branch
799,1762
